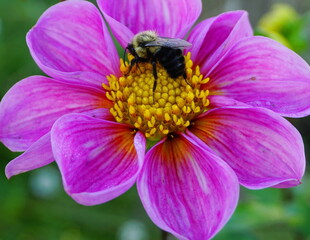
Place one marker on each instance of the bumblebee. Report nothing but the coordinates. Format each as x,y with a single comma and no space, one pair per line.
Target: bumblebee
147,46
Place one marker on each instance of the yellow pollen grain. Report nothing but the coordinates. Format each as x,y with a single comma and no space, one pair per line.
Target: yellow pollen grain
106,87
168,109
167,117
197,71
132,110
161,102
175,109
147,115
204,81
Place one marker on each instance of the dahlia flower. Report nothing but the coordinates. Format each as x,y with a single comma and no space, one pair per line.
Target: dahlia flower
188,145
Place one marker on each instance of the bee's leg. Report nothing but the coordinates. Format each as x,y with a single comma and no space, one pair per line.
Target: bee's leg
154,74
132,63
155,84
185,78
139,67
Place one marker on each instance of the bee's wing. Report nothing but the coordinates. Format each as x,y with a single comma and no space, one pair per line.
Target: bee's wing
169,42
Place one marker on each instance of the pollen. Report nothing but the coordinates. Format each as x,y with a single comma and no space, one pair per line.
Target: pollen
170,108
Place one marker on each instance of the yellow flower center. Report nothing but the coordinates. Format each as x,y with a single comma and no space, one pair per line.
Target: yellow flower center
170,108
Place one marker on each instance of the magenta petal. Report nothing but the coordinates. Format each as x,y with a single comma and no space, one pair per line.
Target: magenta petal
213,37
263,148
261,72
38,155
222,101
99,160
31,106
71,41
169,18
186,189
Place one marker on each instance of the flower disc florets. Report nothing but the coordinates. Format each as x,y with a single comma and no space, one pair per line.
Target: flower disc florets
170,108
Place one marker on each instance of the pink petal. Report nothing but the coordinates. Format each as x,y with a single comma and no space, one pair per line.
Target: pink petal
263,148
71,42
98,159
37,155
169,18
261,72
213,37
222,101
186,189
31,106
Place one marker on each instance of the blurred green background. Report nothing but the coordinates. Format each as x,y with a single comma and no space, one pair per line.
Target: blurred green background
33,206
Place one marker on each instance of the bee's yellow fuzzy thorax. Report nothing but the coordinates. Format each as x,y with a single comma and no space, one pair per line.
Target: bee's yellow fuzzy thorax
169,109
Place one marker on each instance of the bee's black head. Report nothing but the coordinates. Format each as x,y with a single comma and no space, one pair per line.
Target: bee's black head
130,49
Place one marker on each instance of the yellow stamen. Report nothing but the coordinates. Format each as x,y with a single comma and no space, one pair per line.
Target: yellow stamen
170,108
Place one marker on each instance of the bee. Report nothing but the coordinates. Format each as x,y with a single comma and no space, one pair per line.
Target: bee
147,46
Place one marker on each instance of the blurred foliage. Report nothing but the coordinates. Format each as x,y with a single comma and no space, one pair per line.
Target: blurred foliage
33,206
285,25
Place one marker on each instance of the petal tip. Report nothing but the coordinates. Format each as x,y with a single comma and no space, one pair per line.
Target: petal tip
8,175
9,172
289,183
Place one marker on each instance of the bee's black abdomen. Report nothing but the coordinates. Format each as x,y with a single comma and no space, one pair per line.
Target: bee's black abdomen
172,60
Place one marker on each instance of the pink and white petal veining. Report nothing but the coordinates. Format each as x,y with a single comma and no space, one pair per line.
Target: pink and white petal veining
169,18
223,101
37,155
122,34
186,189
213,37
101,113
31,106
71,42
261,72
98,159
263,148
